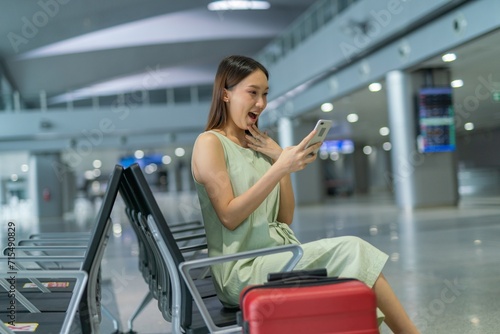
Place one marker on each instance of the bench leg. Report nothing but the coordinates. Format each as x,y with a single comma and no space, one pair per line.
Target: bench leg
139,309
116,324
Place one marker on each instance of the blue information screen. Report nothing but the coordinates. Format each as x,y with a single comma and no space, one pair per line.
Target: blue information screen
436,120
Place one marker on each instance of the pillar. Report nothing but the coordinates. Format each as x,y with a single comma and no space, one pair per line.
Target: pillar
3,192
419,180
308,184
361,171
174,179
45,185
185,175
402,125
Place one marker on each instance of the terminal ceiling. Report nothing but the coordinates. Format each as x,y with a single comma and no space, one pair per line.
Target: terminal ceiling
94,44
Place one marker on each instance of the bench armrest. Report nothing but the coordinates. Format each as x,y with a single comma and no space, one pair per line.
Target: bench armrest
54,241
81,279
185,268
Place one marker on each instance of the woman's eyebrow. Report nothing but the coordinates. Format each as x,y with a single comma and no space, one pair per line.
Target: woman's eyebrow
258,87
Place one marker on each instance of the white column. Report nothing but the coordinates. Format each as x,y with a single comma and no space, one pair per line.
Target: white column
285,132
45,184
308,184
402,125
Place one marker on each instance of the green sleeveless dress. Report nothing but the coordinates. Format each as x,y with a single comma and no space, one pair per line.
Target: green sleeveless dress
342,256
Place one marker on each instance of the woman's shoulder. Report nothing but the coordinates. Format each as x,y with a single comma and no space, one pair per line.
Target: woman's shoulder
208,141
208,138
208,152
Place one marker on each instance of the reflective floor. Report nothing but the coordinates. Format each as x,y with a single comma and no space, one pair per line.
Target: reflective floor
444,263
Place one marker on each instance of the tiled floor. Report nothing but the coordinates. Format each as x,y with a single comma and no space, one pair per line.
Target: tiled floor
444,262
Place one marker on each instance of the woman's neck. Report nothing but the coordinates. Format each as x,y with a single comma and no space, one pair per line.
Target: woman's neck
235,135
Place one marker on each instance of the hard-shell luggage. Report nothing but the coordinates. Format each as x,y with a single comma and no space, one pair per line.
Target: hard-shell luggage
305,302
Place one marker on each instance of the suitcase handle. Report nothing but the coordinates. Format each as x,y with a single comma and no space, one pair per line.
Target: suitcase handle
307,281
297,274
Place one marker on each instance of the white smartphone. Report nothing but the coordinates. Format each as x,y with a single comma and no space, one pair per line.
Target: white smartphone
322,128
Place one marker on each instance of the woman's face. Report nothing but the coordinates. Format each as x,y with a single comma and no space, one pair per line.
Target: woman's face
247,100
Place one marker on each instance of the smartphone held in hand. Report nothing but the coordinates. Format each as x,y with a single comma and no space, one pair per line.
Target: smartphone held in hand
322,128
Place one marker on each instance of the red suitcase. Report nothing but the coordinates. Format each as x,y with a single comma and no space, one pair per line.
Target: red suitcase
309,305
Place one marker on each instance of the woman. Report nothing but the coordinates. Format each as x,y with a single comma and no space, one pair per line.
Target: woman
243,181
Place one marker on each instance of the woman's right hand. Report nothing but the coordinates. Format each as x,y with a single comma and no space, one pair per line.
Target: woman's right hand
296,158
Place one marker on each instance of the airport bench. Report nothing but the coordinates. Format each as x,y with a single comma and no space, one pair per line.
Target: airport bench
175,286
88,308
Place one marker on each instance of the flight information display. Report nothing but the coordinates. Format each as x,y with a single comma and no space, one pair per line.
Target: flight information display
436,120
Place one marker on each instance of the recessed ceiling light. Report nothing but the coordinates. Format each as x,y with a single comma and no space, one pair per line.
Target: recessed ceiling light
179,152
384,131
367,150
469,126
352,118
387,146
334,156
375,87
151,168
457,83
139,154
166,159
449,57
238,5
89,175
326,107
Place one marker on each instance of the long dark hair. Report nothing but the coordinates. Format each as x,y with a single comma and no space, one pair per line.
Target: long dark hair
232,70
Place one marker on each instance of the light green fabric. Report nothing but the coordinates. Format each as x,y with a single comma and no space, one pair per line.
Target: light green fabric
342,256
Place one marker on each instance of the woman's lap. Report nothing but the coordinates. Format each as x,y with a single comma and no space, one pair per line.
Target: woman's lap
344,257
341,256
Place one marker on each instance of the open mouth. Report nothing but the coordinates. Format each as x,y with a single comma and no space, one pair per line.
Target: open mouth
253,115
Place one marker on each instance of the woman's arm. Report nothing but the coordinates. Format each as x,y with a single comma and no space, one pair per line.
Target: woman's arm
209,169
287,201
270,148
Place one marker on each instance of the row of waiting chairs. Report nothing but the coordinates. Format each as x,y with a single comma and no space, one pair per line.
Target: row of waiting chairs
175,270
191,304
63,308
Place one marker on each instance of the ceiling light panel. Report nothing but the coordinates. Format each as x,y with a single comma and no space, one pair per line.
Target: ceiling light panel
449,57
326,107
375,87
238,5
457,83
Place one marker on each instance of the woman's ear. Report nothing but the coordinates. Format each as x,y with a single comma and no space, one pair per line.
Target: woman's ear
225,96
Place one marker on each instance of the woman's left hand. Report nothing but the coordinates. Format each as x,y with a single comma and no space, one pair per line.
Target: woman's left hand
261,142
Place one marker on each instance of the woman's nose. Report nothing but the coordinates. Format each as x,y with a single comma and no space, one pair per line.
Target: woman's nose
261,102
